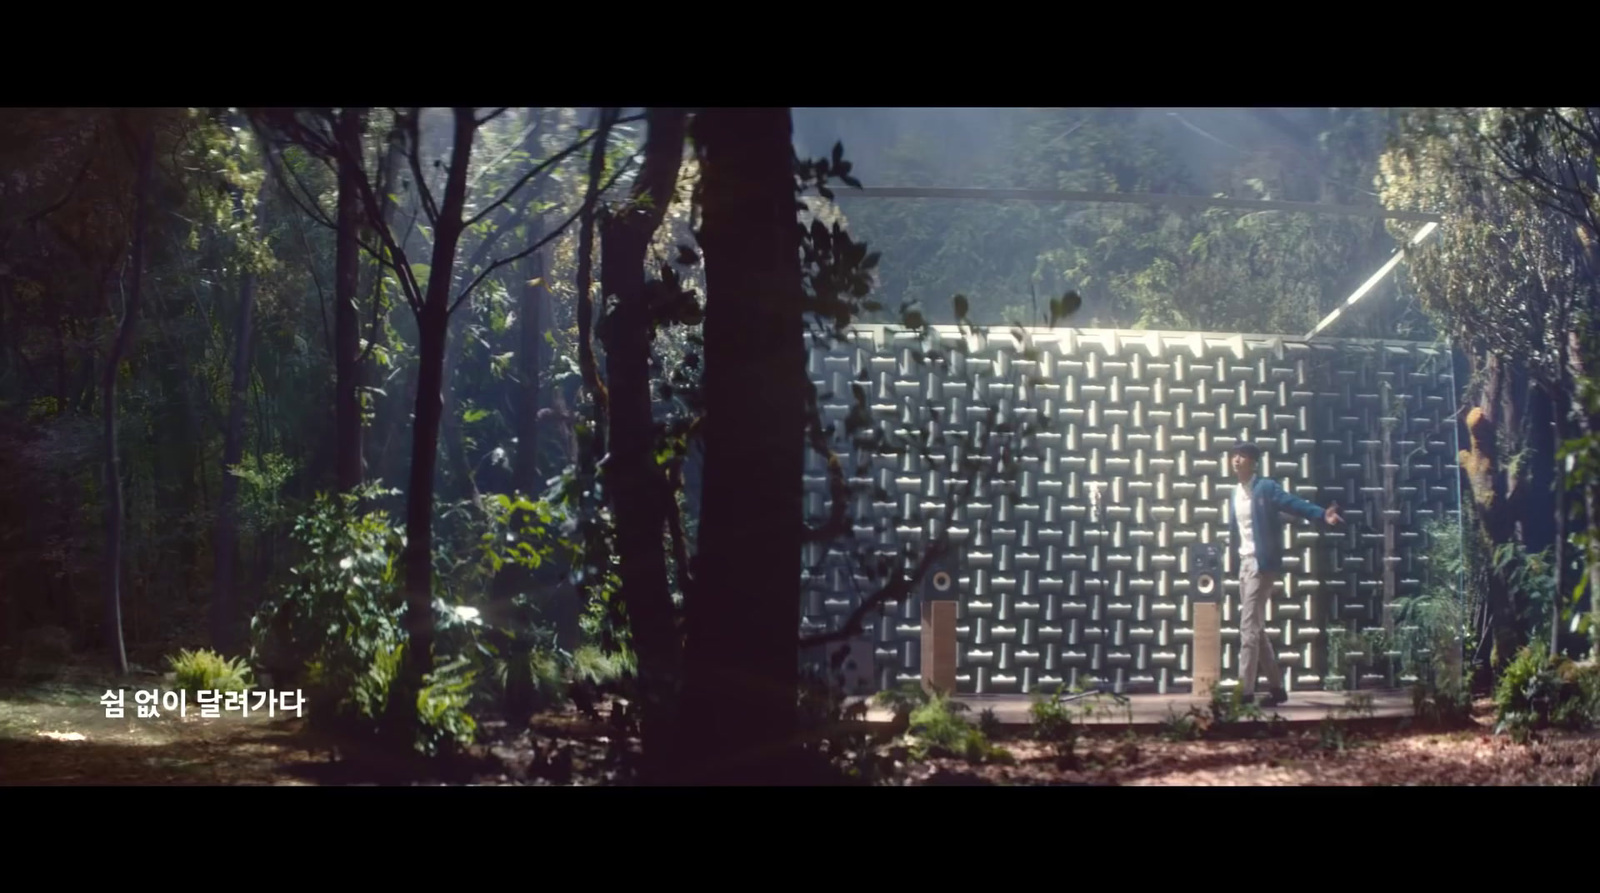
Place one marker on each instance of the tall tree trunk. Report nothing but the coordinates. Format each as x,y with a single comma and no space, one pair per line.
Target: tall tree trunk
119,349
742,658
533,311
586,448
391,409
224,598
346,285
433,323
587,368
1535,509
1580,364
1559,420
458,482
1493,424
637,484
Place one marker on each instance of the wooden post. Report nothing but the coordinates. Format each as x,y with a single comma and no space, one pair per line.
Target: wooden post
939,646
1207,654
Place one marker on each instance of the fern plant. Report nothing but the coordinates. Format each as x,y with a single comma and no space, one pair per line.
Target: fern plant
206,670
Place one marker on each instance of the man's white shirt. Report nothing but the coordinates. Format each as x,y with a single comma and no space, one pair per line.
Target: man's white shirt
1241,515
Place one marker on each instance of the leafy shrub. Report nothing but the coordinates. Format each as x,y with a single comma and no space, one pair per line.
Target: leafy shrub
206,670
338,626
1539,691
1226,708
592,665
1055,724
442,708
531,678
1186,726
342,609
902,701
988,722
938,729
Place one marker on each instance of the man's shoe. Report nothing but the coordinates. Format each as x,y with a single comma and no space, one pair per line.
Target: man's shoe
1276,697
1244,700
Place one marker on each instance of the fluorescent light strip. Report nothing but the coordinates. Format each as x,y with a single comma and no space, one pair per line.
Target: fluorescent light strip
1386,269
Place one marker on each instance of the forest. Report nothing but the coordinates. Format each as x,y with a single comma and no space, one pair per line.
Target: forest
485,428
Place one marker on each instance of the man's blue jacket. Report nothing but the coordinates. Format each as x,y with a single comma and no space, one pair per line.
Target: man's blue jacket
1267,499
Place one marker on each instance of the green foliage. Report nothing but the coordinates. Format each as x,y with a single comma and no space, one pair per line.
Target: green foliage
1433,627
261,497
1531,577
1134,265
519,531
1443,705
938,729
1583,452
1540,691
1331,735
902,701
1054,723
1184,726
594,666
206,670
339,622
445,724
1227,709
343,607
988,722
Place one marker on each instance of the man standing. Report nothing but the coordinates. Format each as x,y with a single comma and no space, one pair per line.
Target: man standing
1256,503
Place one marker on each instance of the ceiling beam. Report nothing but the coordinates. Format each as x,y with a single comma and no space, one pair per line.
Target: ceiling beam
1134,198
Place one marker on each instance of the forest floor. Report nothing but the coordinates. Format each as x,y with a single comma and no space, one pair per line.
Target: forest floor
56,733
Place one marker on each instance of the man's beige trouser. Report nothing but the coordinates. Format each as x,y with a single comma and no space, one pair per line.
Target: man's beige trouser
1255,650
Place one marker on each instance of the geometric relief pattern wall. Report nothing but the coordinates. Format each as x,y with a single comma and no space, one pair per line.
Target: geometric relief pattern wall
1047,598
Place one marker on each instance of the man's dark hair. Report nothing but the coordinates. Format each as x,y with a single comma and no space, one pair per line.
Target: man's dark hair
1248,449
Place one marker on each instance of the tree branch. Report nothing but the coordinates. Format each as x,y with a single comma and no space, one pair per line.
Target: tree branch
534,171
522,142
412,128
895,590
553,234
680,546
322,299
278,167
399,263
838,523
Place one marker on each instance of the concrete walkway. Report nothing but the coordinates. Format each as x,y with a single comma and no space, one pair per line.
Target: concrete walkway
1153,709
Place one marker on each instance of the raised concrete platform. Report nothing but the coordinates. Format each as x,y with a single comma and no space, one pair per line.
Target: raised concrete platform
1152,709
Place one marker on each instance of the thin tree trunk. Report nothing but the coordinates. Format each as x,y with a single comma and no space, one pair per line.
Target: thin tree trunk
433,323
224,599
1558,419
587,368
390,410
637,485
1578,420
119,349
458,482
530,367
742,659
346,286
587,447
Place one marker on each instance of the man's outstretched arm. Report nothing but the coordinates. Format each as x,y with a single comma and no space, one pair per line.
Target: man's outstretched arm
1288,502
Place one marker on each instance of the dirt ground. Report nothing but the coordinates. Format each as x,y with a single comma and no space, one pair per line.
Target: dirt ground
1465,757
56,733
